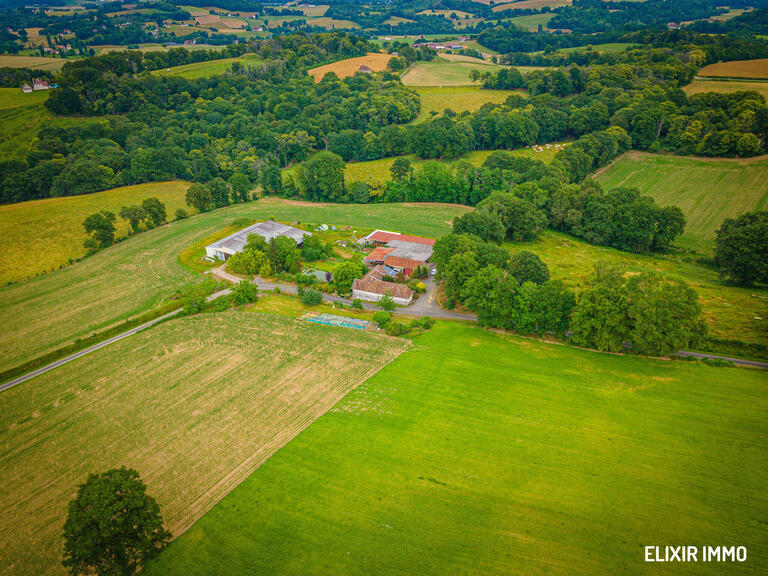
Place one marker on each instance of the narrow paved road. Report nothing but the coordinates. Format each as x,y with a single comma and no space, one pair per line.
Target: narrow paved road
426,305
84,351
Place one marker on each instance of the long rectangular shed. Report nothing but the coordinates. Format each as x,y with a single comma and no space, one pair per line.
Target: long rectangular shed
234,243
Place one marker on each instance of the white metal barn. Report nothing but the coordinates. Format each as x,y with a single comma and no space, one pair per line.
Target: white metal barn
234,243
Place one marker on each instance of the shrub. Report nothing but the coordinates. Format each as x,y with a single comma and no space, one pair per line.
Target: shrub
311,297
181,214
381,318
396,328
357,304
244,292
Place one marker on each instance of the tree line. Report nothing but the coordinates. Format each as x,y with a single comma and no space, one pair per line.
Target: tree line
644,314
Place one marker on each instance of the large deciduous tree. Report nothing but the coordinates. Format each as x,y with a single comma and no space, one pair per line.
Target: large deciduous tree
741,248
113,526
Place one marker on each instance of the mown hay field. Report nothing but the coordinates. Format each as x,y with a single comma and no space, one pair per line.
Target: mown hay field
707,190
35,62
208,68
41,235
725,86
450,70
731,312
343,68
478,453
195,405
458,98
43,314
530,5
737,69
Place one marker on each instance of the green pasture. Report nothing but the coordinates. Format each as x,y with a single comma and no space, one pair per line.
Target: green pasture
707,190
443,72
458,98
207,68
476,453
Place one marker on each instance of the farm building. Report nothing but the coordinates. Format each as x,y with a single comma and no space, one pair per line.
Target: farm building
372,288
398,251
26,88
234,243
365,69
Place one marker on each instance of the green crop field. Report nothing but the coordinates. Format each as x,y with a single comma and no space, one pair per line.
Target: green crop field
443,72
731,312
195,405
42,314
477,453
42,235
208,68
708,191
458,98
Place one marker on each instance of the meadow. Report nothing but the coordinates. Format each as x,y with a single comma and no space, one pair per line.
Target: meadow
532,21
707,190
451,70
737,69
208,68
726,86
42,235
195,405
478,453
731,312
343,68
458,98
378,170
45,313
34,62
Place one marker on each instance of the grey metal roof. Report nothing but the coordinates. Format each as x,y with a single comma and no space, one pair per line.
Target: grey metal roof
267,230
410,250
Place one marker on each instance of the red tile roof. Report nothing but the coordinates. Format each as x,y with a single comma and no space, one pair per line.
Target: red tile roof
382,236
378,254
398,262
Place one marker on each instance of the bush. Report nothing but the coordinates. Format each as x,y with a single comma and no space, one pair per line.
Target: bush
416,286
244,292
396,328
381,318
311,297
357,304
181,214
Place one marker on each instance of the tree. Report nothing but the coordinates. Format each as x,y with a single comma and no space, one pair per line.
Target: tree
666,315
245,292
271,178
345,273
741,248
457,272
551,307
241,187
401,169
387,303
494,296
526,266
199,197
155,211
101,227
312,249
284,254
134,215
219,192
113,526
601,318
323,177
482,223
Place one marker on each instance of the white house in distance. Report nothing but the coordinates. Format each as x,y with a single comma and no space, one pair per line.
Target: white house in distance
234,243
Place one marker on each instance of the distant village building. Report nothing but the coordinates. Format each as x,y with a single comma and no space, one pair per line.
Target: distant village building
365,69
26,88
38,84
234,243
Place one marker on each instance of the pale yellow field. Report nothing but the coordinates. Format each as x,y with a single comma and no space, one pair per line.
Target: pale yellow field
737,69
725,86
41,235
343,68
35,62
195,405
530,5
